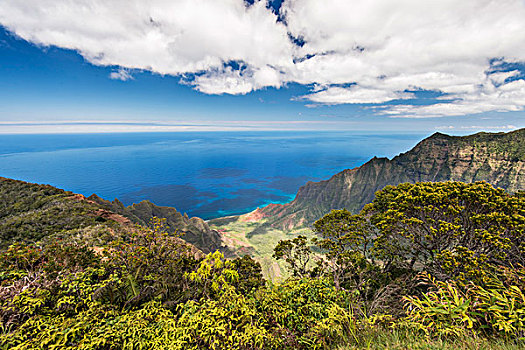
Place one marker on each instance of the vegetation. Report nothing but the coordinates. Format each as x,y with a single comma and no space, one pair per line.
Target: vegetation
30,213
424,266
452,230
194,231
443,259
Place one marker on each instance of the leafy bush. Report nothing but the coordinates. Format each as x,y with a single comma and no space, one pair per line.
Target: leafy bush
31,305
230,322
308,313
148,264
250,275
452,309
445,310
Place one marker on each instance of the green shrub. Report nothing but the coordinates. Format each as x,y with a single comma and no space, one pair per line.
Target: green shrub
308,313
250,275
230,322
450,308
444,311
149,264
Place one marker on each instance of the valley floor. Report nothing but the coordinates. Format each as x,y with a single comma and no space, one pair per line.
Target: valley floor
243,236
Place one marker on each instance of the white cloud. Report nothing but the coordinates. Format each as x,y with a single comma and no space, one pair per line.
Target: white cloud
394,46
382,47
164,36
488,97
107,126
230,81
121,74
477,127
500,77
493,127
355,95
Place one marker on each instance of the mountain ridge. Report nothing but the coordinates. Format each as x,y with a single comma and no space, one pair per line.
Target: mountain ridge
33,212
194,230
497,158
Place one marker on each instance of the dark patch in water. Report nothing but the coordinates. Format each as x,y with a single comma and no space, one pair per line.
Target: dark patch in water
208,194
220,173
253,181
246,198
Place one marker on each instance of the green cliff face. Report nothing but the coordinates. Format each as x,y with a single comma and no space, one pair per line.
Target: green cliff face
498,159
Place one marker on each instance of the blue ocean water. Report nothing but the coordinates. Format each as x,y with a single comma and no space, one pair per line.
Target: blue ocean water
206,174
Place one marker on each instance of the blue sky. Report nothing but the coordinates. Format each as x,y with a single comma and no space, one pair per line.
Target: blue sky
231,65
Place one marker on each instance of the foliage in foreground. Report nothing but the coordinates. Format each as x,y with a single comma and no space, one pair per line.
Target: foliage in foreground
445,259
449,309
149,291
423,266
407,339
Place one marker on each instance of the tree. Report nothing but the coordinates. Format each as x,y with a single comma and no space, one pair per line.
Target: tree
250,274
297,254
450,229
346,241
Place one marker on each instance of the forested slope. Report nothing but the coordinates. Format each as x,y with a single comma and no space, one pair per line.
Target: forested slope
31,212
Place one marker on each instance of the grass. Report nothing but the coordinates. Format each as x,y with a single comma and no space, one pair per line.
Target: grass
401,340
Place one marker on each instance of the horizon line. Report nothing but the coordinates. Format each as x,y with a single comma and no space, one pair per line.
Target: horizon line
156,126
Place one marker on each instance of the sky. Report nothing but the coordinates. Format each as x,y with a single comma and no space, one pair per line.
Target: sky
175,65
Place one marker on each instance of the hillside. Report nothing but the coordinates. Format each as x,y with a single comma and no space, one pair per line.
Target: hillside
33,212
194,230
497,158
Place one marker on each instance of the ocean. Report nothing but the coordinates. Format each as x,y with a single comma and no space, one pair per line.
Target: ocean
205,174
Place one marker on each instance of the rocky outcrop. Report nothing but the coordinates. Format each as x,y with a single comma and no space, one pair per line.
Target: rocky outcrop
193,230
497,158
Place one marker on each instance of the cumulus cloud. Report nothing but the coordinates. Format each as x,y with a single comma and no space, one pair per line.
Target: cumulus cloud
359,52
163,36
237,81
393,46
486,97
